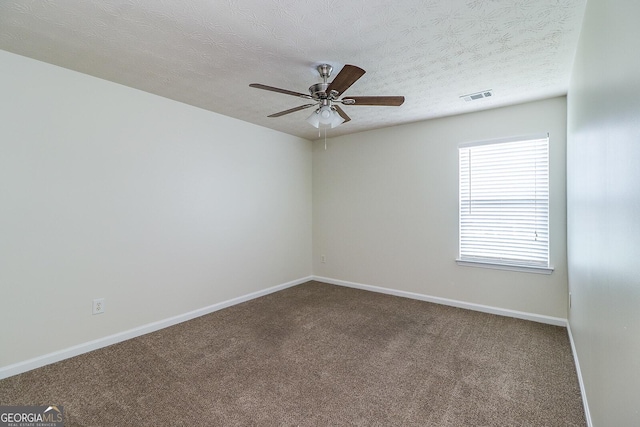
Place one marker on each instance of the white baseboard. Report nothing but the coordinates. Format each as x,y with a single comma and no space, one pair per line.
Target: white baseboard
76,350
557,321
583,390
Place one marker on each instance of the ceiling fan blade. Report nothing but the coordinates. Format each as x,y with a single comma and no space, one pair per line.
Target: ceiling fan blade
292,110
275,89
345,78
342,113
390,101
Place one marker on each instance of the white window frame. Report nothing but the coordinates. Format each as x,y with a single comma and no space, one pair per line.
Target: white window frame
473,248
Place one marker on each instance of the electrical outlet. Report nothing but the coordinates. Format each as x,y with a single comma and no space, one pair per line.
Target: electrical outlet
323,259
98,306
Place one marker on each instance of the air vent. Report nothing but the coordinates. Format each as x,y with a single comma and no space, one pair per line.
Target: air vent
478,95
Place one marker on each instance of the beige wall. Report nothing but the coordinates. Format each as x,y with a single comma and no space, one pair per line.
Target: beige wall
385,209
603,194
159,207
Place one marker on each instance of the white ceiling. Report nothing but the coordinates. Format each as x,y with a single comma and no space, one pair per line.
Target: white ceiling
206,52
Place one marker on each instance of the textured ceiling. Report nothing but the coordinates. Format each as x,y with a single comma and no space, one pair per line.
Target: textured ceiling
205,53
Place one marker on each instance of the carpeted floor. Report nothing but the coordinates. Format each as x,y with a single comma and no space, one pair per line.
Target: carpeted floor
320,355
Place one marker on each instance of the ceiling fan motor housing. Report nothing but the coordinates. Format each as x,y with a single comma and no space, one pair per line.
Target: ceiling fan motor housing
319,90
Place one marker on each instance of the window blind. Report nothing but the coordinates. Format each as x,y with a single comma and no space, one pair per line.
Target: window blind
504,202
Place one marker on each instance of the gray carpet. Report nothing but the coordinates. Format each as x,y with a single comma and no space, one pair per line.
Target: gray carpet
320,355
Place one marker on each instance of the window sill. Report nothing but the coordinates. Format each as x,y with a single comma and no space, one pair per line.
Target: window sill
509,267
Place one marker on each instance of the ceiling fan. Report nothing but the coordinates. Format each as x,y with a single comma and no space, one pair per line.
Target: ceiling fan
326,96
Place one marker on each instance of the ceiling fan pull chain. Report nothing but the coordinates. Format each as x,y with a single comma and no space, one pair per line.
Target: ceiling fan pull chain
325,138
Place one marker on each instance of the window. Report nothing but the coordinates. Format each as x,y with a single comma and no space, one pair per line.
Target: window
504,204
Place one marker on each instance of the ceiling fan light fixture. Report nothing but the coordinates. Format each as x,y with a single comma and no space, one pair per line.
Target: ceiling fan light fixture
325,116
314,119
337,119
